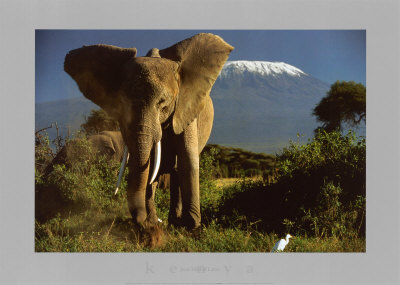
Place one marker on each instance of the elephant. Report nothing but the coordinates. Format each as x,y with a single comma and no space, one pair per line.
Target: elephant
161,102
108,143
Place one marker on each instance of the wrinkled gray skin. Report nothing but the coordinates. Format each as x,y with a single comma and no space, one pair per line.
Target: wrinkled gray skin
162,96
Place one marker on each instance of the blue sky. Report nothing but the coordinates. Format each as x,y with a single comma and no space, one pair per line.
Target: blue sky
328,55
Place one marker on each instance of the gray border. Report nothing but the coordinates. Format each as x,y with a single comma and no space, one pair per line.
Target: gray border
19,263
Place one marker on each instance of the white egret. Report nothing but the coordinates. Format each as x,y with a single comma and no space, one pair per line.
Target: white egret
280,245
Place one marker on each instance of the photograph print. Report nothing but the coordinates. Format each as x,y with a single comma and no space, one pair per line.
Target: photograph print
200,141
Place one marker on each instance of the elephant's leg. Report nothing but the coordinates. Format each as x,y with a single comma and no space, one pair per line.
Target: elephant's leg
175,209
188,171
150,204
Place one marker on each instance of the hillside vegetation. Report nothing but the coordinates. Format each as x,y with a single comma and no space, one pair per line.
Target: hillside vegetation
313,190
236,162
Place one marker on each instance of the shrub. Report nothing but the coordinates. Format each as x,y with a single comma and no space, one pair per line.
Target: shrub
86,180
43,152
323,181
99,121
328,156
319,188
207,174
208,165
330,217
236,162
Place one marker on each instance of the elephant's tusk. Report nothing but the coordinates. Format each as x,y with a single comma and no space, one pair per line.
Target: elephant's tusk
125,158
157,160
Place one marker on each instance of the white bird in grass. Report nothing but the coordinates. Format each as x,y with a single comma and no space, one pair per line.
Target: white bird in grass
280,245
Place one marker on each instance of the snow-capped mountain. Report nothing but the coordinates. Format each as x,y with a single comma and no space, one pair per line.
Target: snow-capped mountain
258,106
278,79
240,67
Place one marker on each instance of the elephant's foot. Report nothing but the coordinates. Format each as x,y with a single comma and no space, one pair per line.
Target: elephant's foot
192,226
152,218
176,222
196,232
144,220
139,215
191,220
148,235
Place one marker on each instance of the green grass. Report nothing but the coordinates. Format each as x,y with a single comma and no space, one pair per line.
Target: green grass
102,230
76,210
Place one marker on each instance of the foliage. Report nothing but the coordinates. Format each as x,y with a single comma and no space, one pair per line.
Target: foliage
207,171
99,121
328,156
86,181
208,165
43,152
326,181
320,190
332,218
318,194
236,162
345,102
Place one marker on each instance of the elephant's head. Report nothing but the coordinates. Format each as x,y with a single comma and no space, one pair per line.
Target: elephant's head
144,94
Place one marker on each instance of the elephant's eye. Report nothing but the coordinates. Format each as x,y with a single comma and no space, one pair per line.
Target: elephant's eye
163,102
164,109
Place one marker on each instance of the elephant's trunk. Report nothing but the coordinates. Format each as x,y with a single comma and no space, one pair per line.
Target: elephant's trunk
156,165
139,165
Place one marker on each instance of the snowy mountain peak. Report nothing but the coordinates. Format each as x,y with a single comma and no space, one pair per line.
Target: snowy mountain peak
260,67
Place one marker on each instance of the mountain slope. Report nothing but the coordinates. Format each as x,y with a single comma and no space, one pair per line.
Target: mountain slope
261,105
258,106
67,113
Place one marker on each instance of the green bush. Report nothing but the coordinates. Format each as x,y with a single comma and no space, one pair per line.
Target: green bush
331,217
43,153
324,180
208,166
331,156
319,189
236,162
99,121
86,179
207,174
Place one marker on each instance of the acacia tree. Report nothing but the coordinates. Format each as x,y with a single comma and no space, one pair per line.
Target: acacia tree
99,121
345,102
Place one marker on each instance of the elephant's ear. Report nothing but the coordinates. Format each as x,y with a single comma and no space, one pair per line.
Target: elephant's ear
99,72
201,59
